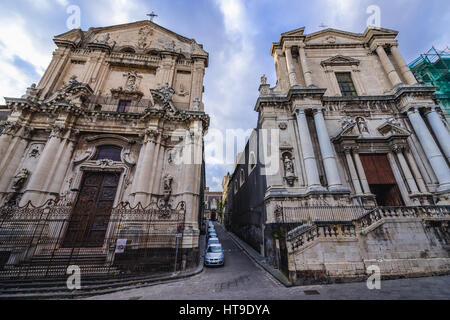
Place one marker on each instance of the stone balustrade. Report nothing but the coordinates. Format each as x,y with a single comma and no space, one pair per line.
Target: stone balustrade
304,235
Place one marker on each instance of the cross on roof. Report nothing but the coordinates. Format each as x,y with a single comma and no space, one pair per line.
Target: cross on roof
152,16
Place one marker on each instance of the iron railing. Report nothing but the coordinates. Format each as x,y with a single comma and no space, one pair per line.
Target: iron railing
42,242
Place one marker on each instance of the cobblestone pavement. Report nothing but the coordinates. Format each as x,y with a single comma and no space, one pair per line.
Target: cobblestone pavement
242,279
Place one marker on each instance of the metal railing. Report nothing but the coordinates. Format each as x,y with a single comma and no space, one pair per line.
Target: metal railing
42,242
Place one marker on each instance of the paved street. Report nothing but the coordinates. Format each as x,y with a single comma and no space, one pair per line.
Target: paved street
242,279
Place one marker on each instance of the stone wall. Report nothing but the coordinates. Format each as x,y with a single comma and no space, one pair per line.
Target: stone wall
399,246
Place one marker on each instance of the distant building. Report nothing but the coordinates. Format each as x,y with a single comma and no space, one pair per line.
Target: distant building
433,69
348,165
212,204
225,184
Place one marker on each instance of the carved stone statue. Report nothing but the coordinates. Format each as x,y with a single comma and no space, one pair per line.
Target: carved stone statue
263,79
346,122
362,125
168,179
20,179
289,170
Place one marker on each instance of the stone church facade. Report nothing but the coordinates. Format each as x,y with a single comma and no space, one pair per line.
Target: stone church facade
362,156
117,121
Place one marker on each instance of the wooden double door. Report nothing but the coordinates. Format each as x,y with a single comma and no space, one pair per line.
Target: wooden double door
381,179
89,221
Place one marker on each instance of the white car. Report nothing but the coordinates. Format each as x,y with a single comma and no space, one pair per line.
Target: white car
213,241
214,255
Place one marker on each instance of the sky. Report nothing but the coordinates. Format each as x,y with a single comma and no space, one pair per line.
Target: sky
236,33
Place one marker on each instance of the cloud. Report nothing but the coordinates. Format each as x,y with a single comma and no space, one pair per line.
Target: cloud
18,44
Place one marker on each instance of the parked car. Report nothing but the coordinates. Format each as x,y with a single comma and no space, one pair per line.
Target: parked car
213,241
214,255
212,235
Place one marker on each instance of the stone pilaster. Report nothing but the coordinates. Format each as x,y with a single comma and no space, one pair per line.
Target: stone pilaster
399,150
361,173
352,169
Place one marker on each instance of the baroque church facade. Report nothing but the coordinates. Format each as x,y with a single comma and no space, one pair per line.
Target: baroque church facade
361,157
116,121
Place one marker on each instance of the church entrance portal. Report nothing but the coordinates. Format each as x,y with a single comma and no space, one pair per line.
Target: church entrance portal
91,214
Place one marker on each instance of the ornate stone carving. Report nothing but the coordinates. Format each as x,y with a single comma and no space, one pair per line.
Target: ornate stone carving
362,125
143,34
57,130
105,163
263,79
196,104
289,172
9,128
282,125
164,95
168,179
20,179
35,151
151,135
278,212
132,81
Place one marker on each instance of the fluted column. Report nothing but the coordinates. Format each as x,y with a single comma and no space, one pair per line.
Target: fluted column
305,67
312,174
387,66
439,129
416,172
352,169
404,69
361,173
434,155
405,168
290,67
146,165
35,188
326,150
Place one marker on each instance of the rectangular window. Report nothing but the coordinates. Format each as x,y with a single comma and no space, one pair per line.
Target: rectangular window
123,104
346,84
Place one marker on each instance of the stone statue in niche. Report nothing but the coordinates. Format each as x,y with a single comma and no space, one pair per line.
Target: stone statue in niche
289,173
20,179
131,84
168,179
362,125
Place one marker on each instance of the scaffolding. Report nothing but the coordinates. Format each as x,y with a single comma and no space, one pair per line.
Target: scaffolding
432,68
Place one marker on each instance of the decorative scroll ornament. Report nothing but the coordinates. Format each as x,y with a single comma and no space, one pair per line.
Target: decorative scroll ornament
73,92
105,163
164,96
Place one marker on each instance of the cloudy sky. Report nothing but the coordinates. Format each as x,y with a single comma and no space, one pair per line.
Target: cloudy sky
236,33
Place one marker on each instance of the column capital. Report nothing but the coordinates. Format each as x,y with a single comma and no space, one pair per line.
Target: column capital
431,108
413,109
398,148
349,149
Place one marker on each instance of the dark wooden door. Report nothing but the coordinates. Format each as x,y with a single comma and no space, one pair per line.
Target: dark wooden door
381,179
89,221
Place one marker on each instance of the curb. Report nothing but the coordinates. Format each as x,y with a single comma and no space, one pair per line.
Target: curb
246,249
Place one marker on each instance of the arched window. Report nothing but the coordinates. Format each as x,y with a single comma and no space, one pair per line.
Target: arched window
128,50
109,152
241,177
